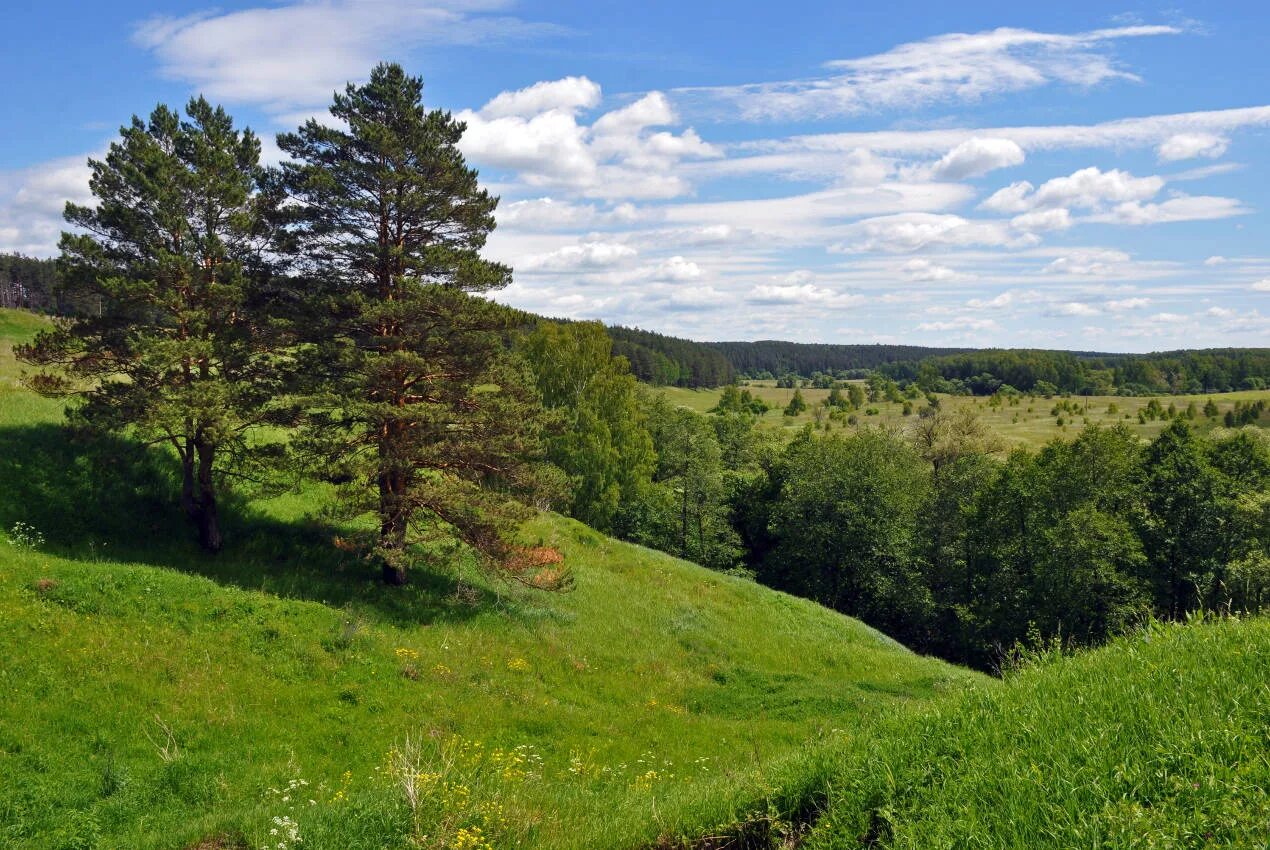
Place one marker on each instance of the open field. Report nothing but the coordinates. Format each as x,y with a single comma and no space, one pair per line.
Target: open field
1028,422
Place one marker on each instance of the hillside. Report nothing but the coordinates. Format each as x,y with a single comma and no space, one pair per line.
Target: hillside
153,695
1158,740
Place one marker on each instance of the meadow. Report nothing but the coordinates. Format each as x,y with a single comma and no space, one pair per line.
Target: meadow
1029,421
277,695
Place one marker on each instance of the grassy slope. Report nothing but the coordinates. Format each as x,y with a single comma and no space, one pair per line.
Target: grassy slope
1028,424
656,699
1160,740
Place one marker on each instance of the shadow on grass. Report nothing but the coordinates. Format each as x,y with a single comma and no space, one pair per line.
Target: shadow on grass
101,497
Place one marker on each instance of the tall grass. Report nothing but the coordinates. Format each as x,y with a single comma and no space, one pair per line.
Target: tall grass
1159,740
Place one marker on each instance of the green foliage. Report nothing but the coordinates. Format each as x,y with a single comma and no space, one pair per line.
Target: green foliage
796,405
663,360
1155,741
182,349
419,407
844,527
604,445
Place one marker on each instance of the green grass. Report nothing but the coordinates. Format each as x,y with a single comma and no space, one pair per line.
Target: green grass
156,698
151,696
1160,740
1028,423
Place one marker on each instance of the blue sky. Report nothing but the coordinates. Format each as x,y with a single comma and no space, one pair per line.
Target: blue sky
1072,175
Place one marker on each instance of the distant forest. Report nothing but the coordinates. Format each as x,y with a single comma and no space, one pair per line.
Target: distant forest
662,360
776,358
669,361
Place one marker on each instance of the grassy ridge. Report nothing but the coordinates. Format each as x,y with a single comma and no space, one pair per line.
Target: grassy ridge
1159,740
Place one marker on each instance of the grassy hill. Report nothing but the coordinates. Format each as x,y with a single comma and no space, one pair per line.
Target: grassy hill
155,697
1160,740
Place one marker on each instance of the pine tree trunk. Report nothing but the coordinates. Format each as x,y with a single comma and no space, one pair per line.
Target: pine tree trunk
392,520
189,505
209,533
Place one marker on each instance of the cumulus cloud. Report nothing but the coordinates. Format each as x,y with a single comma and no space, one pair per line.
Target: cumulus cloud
1261,286
1191,145
820,153
802,293
675,269
581,257
976,157
1119,305
953,67
568,95
1052,219
1073,308
32,200
920,269
1088,188
545,214
535,132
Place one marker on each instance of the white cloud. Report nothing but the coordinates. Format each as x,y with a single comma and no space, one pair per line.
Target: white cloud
1185,208
618,156
545,214
1073,308
1215,260
581,257
1191,145
1051,219
1122,304
964,323
976,157
296,54
953,67
909,232
1009,298
806,293
821,153
1091,262
1261,286
566,95
920,269
32,200
676,269
1221,312
1088,188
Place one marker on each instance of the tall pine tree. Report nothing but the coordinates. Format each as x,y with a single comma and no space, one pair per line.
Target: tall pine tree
421,407
180,348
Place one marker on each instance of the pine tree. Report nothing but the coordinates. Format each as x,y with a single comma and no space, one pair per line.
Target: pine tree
180,348
421,407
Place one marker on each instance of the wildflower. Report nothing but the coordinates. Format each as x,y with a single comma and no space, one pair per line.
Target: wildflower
518,665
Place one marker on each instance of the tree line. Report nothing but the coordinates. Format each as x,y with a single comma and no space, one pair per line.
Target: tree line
930,532
1046,372
663,360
